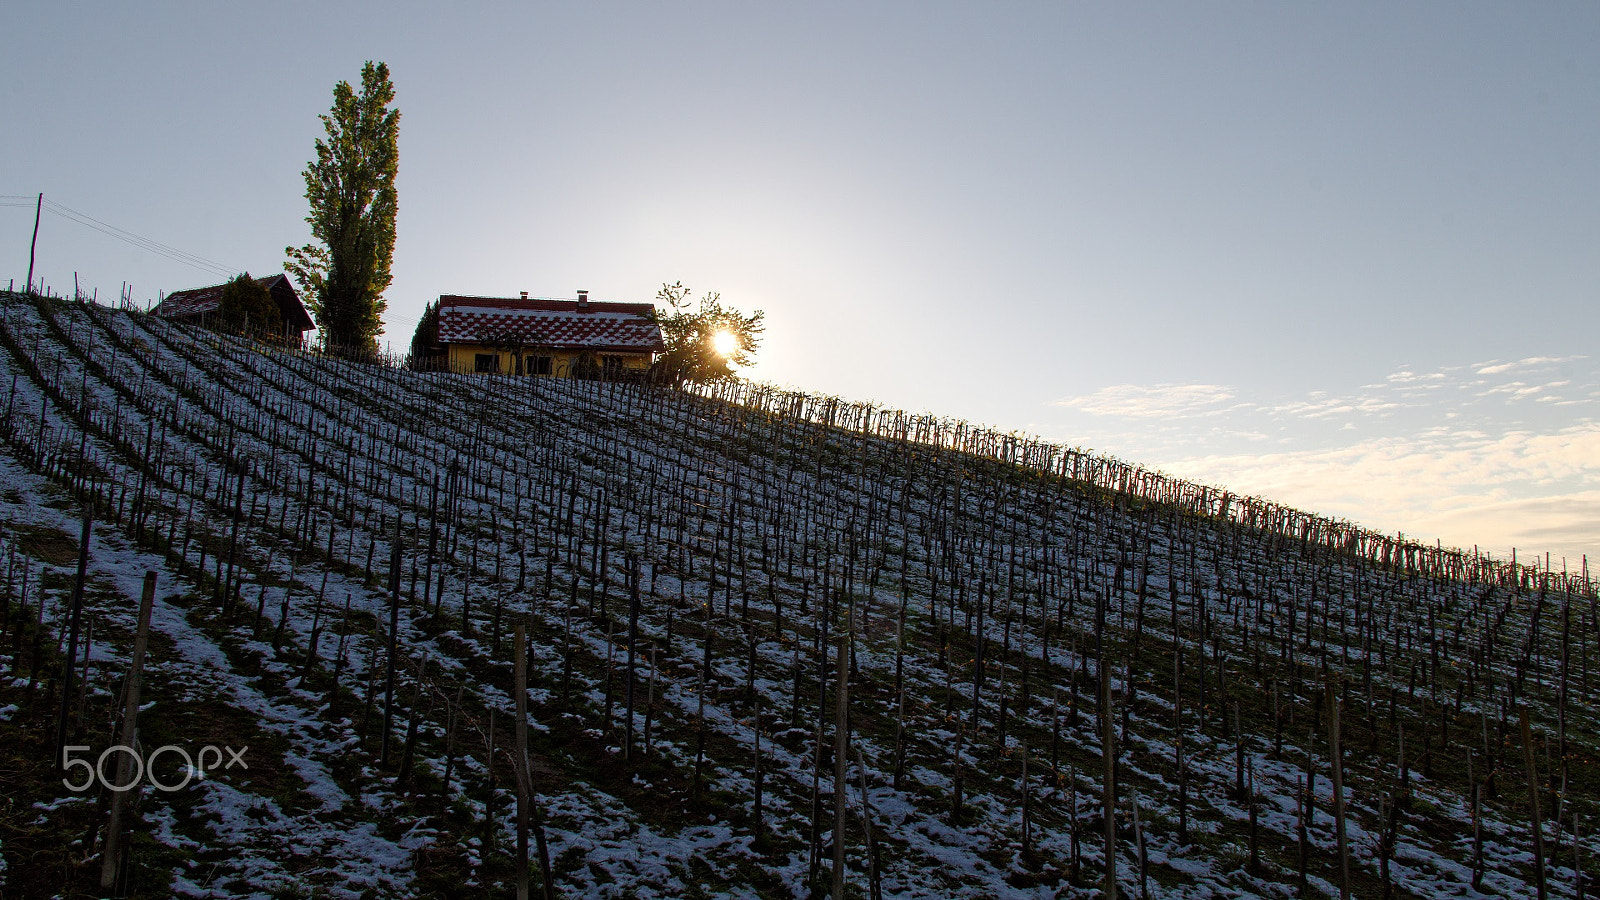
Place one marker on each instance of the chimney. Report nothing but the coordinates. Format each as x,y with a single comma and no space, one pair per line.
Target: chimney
524,295
583,301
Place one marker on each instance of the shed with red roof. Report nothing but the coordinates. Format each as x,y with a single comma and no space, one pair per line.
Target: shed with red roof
199,306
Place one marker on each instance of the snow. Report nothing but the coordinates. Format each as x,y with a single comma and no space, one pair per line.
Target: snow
345,449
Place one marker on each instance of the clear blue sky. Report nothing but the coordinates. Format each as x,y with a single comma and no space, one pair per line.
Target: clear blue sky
1345,256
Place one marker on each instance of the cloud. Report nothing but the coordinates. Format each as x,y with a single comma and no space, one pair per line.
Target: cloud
1444,393
1152,401
1499,454
1408,377
1516,489
1405,397
1494,367
1328,407
1516,390
1565,527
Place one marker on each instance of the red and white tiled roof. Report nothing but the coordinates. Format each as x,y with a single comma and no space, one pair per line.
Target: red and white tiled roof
554,324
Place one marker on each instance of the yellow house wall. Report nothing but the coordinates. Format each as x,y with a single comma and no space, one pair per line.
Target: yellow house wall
464,358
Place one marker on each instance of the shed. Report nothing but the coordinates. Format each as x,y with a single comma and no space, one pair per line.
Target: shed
199,306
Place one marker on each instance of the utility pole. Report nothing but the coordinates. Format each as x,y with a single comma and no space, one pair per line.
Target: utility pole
32,245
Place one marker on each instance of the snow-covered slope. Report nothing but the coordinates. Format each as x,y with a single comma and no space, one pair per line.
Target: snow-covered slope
688,571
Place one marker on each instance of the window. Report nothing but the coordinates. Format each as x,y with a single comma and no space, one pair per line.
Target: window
486,362
540,365
611,365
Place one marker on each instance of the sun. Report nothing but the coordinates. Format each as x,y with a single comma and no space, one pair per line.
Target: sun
725,343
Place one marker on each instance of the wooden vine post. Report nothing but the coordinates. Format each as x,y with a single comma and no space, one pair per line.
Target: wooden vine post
394,627
521,761
526,809
113,865
70,663
1336,761
841,747
1108,740
1534,820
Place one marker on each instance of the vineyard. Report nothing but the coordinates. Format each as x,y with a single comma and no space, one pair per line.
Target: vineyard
485,633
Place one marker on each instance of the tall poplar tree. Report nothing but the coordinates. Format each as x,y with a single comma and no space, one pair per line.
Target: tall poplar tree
350,186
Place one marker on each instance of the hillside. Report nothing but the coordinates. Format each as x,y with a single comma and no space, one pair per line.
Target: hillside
343,555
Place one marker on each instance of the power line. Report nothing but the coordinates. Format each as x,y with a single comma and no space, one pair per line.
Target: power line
128,237
193,260
404,328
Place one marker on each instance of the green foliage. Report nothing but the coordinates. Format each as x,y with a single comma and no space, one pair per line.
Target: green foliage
425,350
247,306
350,187
691,336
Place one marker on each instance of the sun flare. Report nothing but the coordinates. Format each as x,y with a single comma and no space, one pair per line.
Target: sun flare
726,343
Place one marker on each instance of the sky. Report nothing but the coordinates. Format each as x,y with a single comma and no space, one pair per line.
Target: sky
1343,256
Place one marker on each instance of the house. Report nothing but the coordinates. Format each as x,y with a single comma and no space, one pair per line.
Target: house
198,306
533,336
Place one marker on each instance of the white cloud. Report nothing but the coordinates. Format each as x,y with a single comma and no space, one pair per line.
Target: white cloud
1494,367
1440,393
1516,390
1328,407
1499,454
1522,489
1152,401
